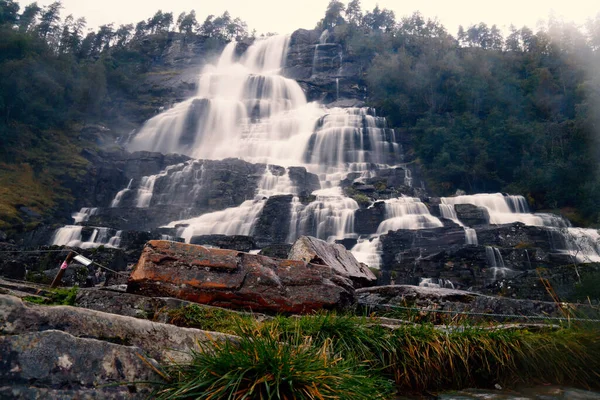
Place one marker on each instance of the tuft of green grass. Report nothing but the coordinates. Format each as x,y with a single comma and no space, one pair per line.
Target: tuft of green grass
263,367
351,337
60,297
208,318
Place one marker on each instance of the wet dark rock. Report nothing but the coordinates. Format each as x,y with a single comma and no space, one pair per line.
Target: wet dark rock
348,243
507,259
274,222
326,72
367,220
234,242
301,53
303,180
472,215
453,300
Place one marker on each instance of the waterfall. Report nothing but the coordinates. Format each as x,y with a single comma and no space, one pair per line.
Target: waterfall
243,108
407,213
236,220
84,214
496,263
447,211
436,283
329,217
73,236
119,196
581,244
368,251
507,209
470,236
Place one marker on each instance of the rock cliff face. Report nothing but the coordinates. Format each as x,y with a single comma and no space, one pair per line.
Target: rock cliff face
508,259
325,71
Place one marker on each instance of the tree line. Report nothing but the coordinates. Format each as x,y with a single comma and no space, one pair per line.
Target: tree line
487,111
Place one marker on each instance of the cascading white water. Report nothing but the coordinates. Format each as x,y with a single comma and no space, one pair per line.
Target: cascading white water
506,209
245,109
400,213
329,217
350,140
582,244
436,283
72,236
119,196
236,220
496,263
407,213
470,236
84,214
368,251
447,211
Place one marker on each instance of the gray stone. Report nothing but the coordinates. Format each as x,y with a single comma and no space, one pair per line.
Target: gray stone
233,242
316,251
274,221
472,215
52,359
160,341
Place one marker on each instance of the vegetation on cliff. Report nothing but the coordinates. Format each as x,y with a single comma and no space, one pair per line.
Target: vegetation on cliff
63,90
515,113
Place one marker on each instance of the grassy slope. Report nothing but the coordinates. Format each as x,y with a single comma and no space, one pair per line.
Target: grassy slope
37,165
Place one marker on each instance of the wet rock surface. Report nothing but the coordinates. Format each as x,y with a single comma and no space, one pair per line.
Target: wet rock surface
234,242
274,221
507,259
236,280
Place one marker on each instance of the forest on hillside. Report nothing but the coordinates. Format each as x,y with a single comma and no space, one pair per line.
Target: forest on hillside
516,112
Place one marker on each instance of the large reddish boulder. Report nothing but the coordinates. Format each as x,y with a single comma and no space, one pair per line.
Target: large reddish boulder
317,251
232,279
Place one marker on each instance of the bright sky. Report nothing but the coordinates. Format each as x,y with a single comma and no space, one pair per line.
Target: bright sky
285,16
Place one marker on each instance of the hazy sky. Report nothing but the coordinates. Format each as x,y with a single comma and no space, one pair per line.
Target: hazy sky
285,16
